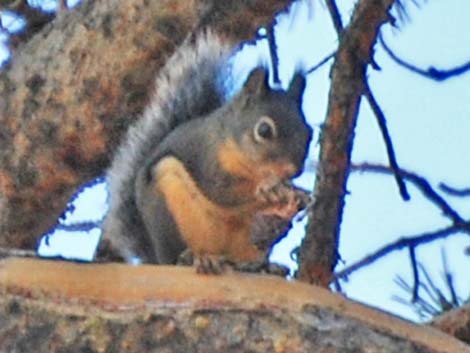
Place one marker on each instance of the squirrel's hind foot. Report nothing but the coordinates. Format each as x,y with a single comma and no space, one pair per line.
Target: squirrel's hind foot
210,264
262,267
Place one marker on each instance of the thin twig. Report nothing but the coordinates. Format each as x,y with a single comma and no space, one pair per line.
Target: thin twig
382,121
273,53
335,16
448,278
403,243
420,182
454,191
424,308
321,63
84,226
414,267
432,72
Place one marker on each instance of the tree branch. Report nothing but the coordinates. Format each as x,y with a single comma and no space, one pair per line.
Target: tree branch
410,241
431,73
54,306
421,183
380,116
414,267
321,63
335,16
318,253
382,121
454,191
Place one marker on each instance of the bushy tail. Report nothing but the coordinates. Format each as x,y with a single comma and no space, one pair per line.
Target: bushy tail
188,86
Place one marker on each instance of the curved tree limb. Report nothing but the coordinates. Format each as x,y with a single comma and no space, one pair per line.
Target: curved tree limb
69,307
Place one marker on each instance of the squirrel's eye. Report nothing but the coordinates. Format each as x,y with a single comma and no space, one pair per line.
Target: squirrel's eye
265,129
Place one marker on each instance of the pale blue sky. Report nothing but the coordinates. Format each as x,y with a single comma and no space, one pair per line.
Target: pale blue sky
429,124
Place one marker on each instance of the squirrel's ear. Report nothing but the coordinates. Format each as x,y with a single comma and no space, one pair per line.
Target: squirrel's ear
297,87
257,82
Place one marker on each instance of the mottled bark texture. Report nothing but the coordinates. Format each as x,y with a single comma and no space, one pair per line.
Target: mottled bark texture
455,322
64,307
319,250
71,91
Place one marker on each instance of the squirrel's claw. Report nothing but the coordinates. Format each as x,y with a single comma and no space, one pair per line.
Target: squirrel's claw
210,264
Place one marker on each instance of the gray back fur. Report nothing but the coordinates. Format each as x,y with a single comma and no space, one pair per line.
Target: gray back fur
188,86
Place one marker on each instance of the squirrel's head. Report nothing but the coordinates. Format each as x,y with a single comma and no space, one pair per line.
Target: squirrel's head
269,124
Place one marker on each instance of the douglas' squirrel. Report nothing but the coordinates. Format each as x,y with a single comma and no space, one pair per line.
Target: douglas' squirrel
197,167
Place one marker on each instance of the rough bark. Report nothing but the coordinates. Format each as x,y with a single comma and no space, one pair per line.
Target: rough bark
455,322
72,90
64,307
319,250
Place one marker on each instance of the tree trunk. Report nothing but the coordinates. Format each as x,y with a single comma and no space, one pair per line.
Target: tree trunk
49,306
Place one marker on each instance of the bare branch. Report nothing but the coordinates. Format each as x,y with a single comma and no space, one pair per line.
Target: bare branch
449,281
85,226
379,115
321,63
381,120
434,301
335,16
319,250
454,191
273,53
402,9
431,73
414,267
421,183
409,241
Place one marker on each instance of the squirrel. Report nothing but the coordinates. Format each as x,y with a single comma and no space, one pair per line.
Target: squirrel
197,166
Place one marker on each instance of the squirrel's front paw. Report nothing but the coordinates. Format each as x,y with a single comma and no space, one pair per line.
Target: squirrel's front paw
273,192
283,198
210,264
